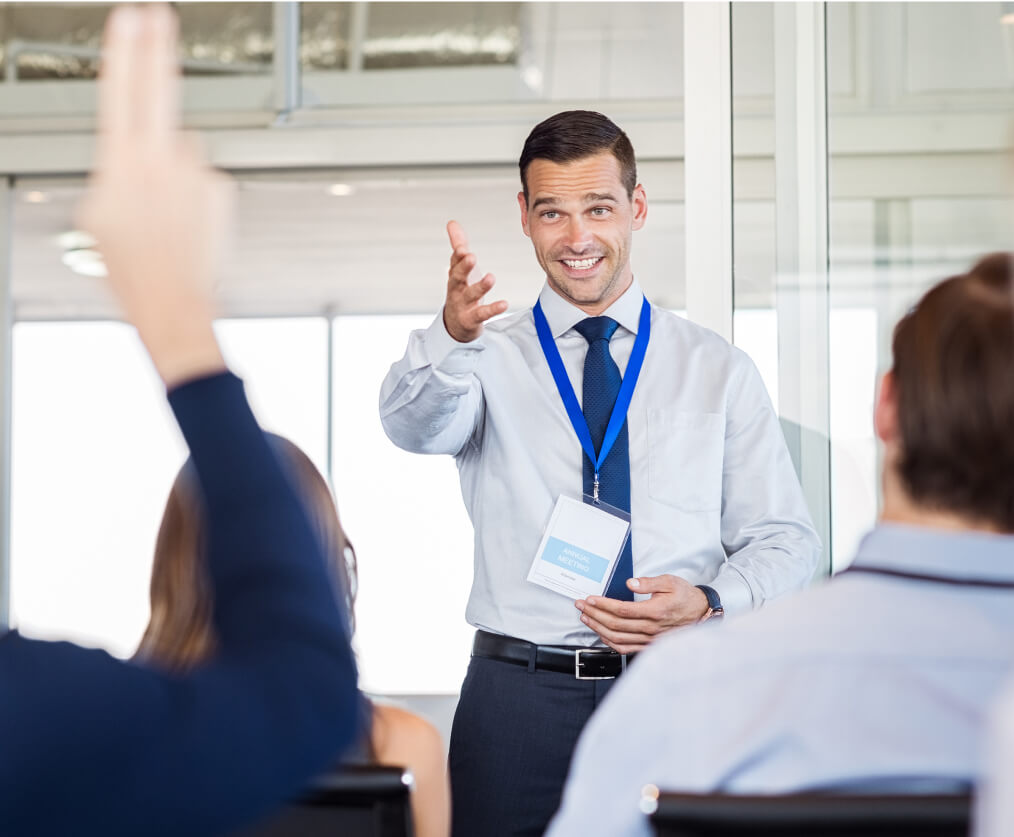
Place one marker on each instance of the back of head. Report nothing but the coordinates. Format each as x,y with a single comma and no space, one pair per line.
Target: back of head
180,632
576,134
954,388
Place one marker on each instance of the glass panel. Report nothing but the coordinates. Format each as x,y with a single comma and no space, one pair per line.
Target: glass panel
755,315
919,177
408,53
324,35
41,44
40,41
95,450
766,319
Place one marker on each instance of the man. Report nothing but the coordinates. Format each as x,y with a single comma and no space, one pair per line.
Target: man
697,459
96,745
883,676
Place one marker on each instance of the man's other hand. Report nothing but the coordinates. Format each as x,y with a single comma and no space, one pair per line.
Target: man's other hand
628,627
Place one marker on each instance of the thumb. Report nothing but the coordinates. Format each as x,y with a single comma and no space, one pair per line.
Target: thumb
653,584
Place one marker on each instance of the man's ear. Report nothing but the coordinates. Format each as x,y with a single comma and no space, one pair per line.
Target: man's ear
523,204
639,207
885,413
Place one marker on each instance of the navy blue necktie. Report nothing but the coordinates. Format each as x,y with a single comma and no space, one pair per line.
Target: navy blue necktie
602,381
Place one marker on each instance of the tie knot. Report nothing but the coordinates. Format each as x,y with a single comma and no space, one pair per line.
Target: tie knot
597,328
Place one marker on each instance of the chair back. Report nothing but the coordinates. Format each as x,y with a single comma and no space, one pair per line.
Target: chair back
812,815
366,801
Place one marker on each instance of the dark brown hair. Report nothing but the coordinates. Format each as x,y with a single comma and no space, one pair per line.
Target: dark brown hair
954,384
180,632
576,134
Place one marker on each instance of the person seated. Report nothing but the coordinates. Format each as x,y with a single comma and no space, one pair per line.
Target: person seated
181,634
882,677
94,745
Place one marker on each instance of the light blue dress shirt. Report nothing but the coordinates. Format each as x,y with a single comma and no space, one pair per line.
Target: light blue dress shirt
714,497
994,799
869,678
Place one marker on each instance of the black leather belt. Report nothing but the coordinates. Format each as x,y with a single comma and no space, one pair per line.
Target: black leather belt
580,662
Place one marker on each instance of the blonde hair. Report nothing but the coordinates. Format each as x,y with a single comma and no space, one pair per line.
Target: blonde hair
181,632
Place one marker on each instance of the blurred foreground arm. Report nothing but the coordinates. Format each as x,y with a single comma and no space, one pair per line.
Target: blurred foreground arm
92,744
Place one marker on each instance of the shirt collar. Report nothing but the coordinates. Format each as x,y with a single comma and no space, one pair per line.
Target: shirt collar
563,316
952,555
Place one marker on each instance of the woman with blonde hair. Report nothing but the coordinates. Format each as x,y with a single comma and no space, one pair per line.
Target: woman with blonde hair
181,632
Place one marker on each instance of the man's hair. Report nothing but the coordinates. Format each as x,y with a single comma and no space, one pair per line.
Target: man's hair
954,383
576,134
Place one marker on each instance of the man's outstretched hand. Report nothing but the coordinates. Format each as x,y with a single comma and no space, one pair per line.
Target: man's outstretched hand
464,313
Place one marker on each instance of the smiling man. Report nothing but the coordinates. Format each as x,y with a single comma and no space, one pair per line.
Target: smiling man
567,420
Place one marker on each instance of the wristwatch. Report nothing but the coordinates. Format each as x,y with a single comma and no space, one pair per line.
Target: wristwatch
715,609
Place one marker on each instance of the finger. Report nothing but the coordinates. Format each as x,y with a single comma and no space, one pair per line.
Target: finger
486,312
456,234
158,105
120,43
616,607
655,584
461,266
623,638
644,627
475,292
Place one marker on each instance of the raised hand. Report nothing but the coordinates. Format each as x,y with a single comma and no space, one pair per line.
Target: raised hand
158,212
464,312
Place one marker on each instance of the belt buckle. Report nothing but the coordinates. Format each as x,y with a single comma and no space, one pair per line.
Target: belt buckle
595,652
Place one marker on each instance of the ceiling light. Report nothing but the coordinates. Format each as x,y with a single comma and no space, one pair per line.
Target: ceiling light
80,255
1007,13
341,190
76,240
36,197
85,262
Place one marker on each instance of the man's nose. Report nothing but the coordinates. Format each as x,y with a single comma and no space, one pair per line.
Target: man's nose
578,236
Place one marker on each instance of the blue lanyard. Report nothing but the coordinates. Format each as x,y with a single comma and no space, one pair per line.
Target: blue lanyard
566,389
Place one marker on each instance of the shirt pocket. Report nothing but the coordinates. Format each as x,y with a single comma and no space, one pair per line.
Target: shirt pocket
685,455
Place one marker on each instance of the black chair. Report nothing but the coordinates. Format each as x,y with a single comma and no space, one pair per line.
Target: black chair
368,801
815,814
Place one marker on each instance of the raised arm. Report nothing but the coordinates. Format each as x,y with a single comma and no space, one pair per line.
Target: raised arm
430,401
94,744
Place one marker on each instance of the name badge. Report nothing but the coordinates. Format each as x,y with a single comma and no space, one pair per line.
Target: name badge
580,547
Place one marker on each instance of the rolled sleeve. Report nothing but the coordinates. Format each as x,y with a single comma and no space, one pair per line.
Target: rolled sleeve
767,532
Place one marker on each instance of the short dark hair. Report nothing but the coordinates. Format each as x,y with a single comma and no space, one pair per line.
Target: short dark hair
954,384
576,134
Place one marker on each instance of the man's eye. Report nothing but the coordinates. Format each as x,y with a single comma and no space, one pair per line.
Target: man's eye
550,215
600,211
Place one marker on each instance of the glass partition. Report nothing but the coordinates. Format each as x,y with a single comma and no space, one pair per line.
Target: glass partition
919,186
49,56
919,97
95,450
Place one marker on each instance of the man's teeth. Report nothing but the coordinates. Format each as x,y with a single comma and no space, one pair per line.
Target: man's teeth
581,264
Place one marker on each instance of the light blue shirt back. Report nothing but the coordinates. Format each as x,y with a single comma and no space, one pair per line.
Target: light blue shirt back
868,679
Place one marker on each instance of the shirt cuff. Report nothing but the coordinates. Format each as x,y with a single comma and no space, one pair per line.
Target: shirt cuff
447,354
733,591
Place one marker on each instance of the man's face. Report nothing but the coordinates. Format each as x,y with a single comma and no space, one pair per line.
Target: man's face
580,220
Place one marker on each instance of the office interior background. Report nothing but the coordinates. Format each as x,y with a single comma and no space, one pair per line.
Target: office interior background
811,169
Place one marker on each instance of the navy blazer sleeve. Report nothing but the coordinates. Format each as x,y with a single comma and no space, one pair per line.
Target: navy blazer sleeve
92,744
